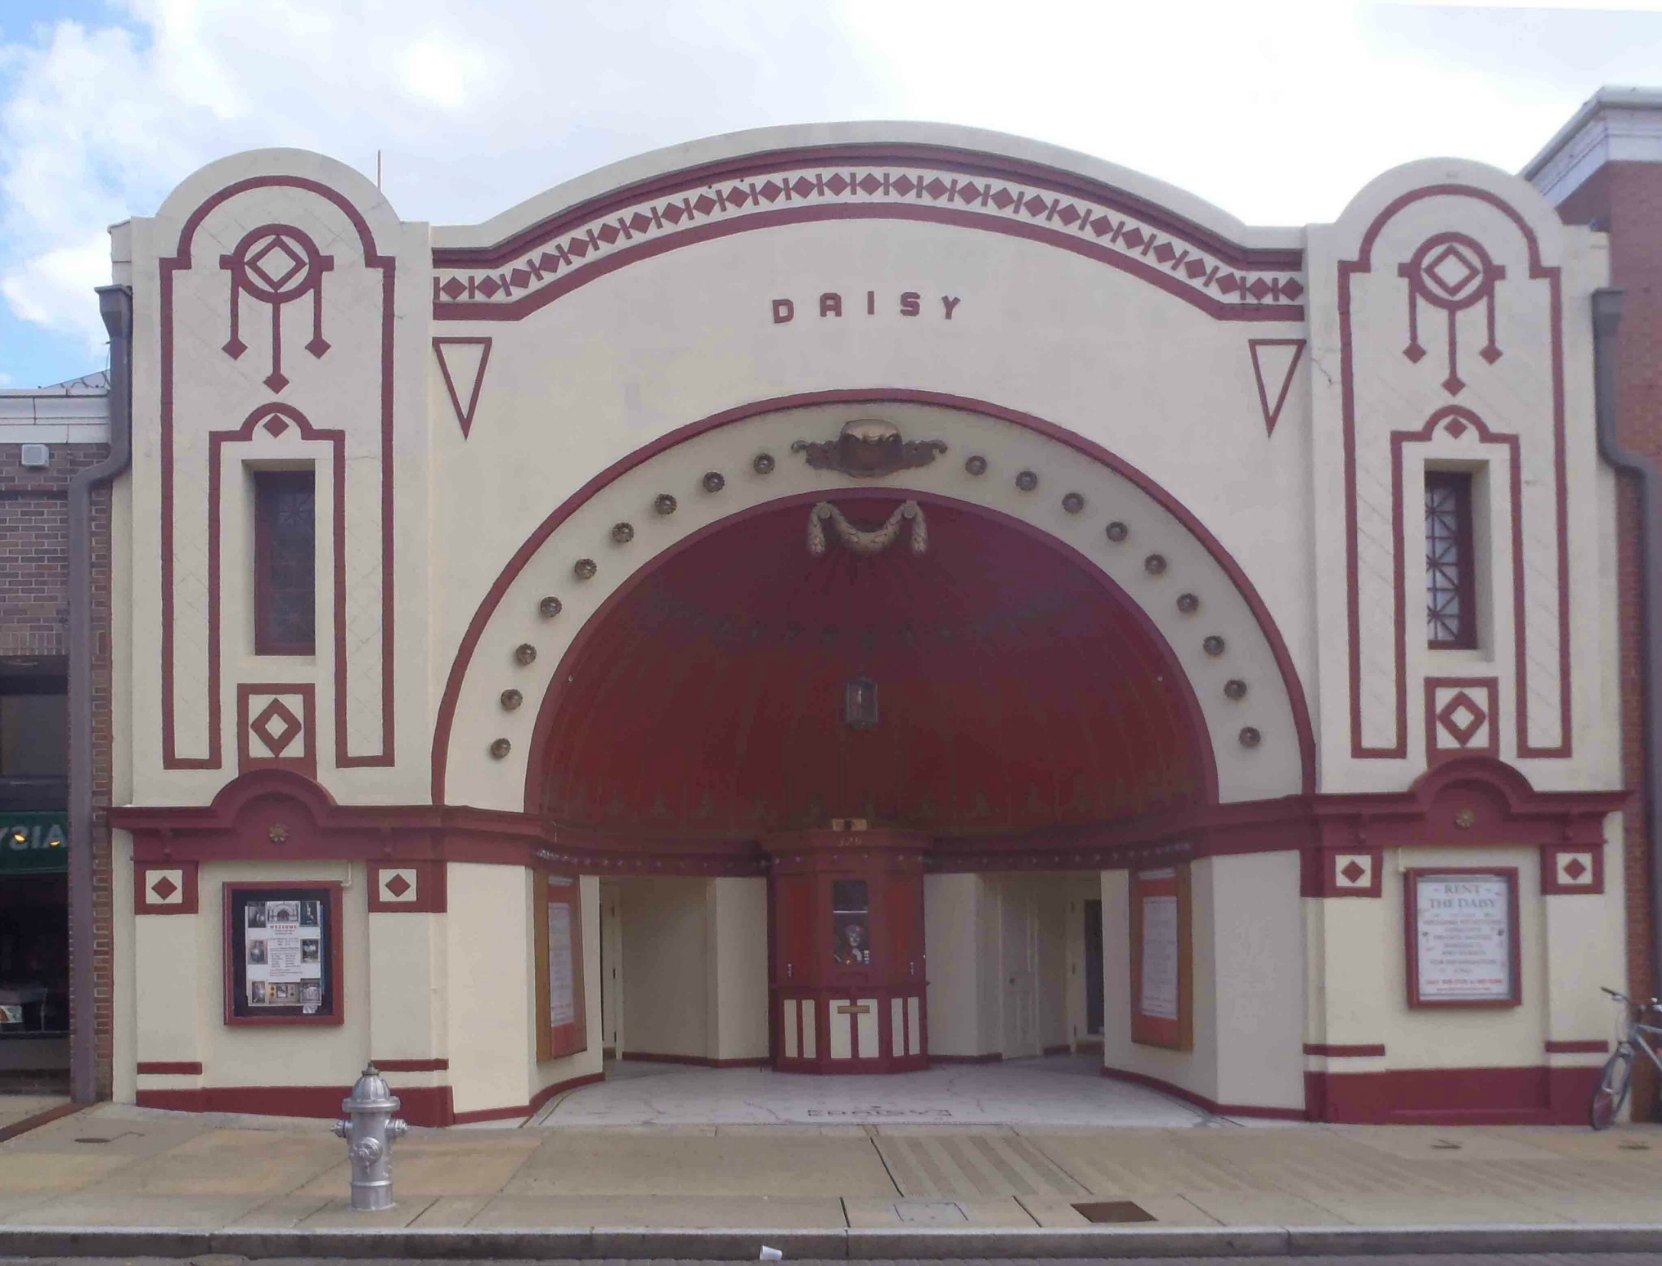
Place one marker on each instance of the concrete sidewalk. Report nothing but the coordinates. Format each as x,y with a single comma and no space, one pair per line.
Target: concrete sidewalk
121,1167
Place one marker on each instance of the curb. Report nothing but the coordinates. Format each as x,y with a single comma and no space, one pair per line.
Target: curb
732,1245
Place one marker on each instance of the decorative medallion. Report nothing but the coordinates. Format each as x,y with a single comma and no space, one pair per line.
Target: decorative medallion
714,481
1074,502
1188,603
525,653
1213,645
1116,531
1026,480
1453,272
500,748
278,834
511,699
584,569
976,465
862,542
762,463
623,533
1235,688
869,448
276,264
1154,564
550,607
1465,819
1250,737
663,503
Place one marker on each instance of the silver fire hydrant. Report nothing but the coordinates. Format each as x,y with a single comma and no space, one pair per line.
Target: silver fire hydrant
370,1130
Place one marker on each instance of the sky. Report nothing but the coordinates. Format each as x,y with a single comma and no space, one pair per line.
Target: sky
1278,111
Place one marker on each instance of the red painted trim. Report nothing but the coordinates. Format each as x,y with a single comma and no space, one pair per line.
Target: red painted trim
336,945
1538,1095
536,764
431,885
1325,879
419,1105
1363,263
1550,853
159,1068
1272,410
1343,1052
583,219
190,898
992,1058
411,1065
522,557
1592,1046
182,261
1201,1101
1062,1048
464,412
305,764
1410,919
538,1100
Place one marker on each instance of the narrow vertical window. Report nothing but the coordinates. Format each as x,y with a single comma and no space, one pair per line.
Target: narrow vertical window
1450,591
285,567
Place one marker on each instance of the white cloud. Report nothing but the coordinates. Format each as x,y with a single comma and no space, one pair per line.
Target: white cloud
1279,111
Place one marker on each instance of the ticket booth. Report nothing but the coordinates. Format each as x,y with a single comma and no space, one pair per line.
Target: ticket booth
848,968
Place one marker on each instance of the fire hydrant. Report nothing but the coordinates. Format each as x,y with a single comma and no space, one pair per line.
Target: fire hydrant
371,1129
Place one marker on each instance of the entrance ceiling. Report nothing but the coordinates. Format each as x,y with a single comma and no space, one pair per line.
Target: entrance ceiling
1014,690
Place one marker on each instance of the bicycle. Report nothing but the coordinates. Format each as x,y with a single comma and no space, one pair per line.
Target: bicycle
1617,1075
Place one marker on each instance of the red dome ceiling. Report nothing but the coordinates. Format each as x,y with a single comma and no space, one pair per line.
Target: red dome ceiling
1015,690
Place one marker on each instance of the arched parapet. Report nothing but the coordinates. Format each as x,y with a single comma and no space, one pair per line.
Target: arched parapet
276,287
1448,319
984,182
1106,512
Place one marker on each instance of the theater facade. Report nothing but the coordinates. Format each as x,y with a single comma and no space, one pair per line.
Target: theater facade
851,598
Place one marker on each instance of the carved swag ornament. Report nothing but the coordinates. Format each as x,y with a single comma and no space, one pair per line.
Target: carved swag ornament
866,543
868,449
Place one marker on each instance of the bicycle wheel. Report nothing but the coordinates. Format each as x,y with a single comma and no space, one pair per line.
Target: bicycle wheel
1612,1088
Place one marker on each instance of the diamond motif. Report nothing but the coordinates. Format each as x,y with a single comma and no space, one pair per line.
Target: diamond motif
1003,198
1164,252
1575,868
640,221
398,885
1461,718
836,184
276,726
870,183
609,233
1452,271
1353,871
1134,237
282,270
164,888
275,424
935,188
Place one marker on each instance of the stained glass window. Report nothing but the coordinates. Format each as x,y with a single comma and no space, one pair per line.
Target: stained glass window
285,564
1450,609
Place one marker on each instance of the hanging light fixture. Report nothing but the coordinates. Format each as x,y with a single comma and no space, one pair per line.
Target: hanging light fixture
860,703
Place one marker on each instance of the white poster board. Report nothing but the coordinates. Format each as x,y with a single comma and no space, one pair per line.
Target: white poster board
1158,995
283,953
1463,938
562,979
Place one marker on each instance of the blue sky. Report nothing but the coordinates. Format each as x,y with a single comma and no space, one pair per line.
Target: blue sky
1277,110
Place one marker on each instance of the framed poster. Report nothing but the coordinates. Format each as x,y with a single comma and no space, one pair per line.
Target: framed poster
558,931
282,953
1461,929
1162,959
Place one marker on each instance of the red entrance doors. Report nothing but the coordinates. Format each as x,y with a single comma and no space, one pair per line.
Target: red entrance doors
848,966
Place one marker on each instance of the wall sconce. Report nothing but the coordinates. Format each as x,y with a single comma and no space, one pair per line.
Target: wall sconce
860,703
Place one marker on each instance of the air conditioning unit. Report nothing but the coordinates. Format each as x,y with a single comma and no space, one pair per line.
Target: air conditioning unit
36,456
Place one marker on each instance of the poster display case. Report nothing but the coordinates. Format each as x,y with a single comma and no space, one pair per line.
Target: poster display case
1461,928
846,910
1162,958
562,1027
283,953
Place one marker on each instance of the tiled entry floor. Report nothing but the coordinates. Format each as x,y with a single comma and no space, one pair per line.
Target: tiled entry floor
1066,1090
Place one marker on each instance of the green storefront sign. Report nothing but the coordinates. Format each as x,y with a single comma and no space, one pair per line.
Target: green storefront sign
33,843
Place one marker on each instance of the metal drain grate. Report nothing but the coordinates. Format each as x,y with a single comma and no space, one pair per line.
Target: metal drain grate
1114,1211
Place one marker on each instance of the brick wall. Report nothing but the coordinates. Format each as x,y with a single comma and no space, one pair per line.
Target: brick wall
34,620
1625,199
